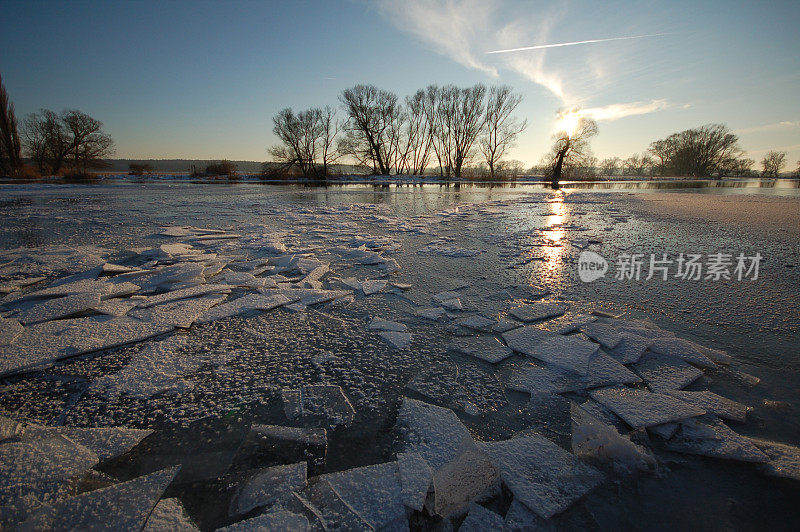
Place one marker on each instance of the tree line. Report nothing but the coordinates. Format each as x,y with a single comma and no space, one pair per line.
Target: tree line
453,131
445,126
67,143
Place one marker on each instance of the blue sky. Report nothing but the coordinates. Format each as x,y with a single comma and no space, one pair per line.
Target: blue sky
203,79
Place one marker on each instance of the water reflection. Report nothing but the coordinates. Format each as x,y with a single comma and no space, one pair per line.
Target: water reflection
554,235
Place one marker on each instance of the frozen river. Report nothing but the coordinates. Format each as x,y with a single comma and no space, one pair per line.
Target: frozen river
408,292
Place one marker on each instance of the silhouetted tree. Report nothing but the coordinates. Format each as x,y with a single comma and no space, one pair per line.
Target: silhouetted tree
500,127
772,163
46,140
637,165
308,140
700,152
610,165
571,148
372,126
221,168
459,115
10,157
89,144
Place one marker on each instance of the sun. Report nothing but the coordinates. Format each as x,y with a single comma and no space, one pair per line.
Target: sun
569,123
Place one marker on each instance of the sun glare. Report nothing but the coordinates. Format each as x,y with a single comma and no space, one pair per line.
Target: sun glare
569,123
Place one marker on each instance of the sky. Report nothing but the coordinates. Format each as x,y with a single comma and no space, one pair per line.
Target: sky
202,80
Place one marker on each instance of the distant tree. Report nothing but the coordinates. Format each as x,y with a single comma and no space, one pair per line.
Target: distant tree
637,165
741,167
459,115
307,140
500,127
797,172
610,166
418,138
221,168
373,120
139,168
10,150
571,147
772,163
89,144
46,140
700,152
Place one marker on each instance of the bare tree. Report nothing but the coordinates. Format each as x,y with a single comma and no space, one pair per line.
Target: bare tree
571,147
418,135
637,165
10,157
372,126
772,163
89,145
500,127
46,140
459,120
308,140
609,166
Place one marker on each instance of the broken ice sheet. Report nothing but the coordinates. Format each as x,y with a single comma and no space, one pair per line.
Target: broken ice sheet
322,401
543,476
479,519
274,520
630,349
545,379
569,352
709,436
520,518
384,325
640,408
460,386
159,367
415,479
603,333
663,373
35,473
486,348
374,492
433,313
115,307
10,329
169,515
398,340
713,404
268,486
476,322
461,471
56,308
105,442
185,293
605,371
784,460
596,440
538,311
123,506
244,304
683,349
182,313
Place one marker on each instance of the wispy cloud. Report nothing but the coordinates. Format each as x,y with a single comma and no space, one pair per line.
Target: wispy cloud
574,43
777,126
621,110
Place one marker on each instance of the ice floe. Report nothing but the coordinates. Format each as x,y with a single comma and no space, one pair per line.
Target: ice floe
640,408
485,348
538,310
268,486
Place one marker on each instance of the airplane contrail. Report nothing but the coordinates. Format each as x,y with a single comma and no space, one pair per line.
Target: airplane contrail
558,45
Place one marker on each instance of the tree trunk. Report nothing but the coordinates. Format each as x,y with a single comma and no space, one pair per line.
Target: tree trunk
557,169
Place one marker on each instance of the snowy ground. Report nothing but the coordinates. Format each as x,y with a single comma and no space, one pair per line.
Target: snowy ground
386,357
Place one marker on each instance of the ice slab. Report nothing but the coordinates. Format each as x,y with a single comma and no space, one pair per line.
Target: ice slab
520,518
115,307
415,479
452,304
370,287
245,304
10,329
545,380
538,311
479,519
713,404
596,440
708,436
476,322
268,486
105,442
441,297
568,352
169,516
35,473
683,349
640,408
384,325
461,471
158,368
374,492
123,506
100,287
433,313
485,348
631,348
60,307
185,293
44,343
276,520
784,460
9,428
603,333
570,323
182,313
398,340
543,476
663,373
605,371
